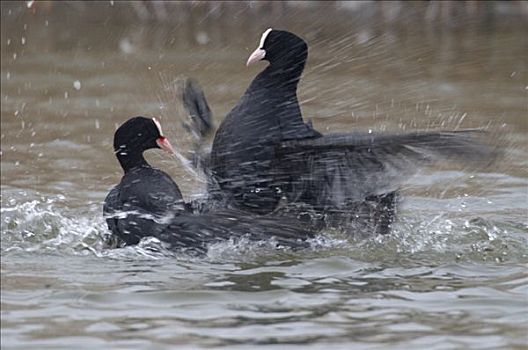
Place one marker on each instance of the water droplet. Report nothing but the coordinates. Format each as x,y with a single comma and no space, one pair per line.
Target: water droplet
202,38
65,94
8,75
23,40
97,124
126,46
30,3
77,85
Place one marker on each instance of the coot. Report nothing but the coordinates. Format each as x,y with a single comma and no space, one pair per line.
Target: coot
266,159
147,202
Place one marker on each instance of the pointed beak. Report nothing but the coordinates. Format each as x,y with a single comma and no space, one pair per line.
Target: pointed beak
256,56
165,145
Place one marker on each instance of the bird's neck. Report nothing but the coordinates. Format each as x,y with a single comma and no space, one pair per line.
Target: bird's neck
276,91
280,75
130,159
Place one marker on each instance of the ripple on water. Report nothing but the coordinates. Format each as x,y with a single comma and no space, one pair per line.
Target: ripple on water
448,277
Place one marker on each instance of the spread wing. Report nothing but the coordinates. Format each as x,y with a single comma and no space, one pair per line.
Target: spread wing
200,115
350,167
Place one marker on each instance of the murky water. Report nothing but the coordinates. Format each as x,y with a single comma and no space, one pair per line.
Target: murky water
452,276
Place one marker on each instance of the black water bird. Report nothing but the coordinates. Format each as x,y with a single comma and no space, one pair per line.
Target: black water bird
266,159
147,202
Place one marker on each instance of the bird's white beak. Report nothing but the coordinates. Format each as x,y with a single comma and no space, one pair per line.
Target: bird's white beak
165,145
256,56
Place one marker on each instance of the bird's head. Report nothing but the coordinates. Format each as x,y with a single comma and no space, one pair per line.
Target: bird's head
280,48
137,135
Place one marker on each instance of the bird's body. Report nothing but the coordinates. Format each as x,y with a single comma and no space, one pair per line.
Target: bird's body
266,159
244,158
247,166
142,204
148,203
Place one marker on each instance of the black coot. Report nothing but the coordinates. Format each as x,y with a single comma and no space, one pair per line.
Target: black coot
146,194
265,158
148,203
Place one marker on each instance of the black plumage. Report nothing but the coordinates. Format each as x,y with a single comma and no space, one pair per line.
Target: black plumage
244,160
265,159
147,202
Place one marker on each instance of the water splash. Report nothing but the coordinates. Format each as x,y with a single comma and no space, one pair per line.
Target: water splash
41,225
44,225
